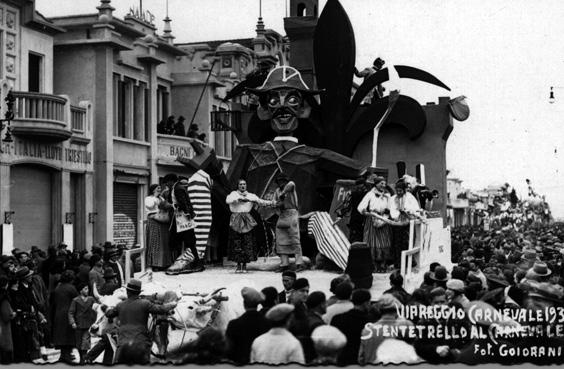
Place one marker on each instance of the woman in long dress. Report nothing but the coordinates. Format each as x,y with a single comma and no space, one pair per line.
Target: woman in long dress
377,233
159,255
242,243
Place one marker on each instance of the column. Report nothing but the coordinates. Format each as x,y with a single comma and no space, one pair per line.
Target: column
7,244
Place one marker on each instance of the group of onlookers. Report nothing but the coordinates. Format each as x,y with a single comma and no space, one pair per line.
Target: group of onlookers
177,128
47,300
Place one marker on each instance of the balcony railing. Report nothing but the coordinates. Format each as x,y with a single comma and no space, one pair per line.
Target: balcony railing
31,105
78,119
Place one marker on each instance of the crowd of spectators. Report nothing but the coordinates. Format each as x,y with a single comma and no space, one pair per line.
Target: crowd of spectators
47,300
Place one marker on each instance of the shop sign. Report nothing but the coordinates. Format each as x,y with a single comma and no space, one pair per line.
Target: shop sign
169,151
73,155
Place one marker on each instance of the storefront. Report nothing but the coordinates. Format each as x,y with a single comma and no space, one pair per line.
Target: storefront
46,194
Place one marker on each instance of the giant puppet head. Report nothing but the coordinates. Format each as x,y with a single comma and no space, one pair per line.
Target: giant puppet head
282,99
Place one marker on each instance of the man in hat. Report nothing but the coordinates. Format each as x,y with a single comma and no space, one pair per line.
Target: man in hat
110,283
278,345
179,129
26,324
133,315
440,276
455,293
22,256
112,261
241,332
372,334
7,266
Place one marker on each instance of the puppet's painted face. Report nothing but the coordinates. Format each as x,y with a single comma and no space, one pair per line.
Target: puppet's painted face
285,107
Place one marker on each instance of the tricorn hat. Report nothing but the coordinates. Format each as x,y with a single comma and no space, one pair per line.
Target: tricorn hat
283,77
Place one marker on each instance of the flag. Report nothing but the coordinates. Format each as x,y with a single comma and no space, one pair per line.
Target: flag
331,241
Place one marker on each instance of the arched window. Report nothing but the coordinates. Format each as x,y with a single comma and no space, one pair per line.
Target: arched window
302,10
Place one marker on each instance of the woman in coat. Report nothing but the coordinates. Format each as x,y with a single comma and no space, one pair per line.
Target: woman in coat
377,233
61,298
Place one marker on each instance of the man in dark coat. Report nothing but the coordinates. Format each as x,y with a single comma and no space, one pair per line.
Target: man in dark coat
25,327
113,262
179,129
110,283
241,332
133,315
62,332
288,279
351,324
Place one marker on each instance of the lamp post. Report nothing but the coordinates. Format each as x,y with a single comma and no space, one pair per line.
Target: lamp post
551,98
8,116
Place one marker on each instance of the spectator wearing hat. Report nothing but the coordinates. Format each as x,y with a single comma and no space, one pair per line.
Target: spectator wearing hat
316,306
278,345
179,129
396,283
82,315
25,328
334,283
7,314
305,318
298,323
110,283
455,293
539,272
133,315
61,299
193,131
439,277
371,337
288,279
96,273
241,332
351,324
343,304
270,299
328,342
21,256
112,261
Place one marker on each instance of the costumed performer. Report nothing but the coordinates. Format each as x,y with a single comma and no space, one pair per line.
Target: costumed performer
242,241
377,233
404,207
157,208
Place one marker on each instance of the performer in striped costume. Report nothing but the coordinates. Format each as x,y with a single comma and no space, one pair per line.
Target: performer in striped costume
199,191
331,241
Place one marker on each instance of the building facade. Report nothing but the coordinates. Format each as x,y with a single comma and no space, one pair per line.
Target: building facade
47,153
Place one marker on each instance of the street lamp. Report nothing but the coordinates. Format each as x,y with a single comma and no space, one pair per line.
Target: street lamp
8,116
551,98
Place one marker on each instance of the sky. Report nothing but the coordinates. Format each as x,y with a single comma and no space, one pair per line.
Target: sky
503,55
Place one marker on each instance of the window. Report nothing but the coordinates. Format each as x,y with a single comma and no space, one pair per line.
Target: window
302,10
130,112
35,69
162,103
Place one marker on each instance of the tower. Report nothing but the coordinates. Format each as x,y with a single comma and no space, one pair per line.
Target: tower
299,27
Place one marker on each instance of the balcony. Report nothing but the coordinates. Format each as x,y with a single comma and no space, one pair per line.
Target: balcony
226,120
43,116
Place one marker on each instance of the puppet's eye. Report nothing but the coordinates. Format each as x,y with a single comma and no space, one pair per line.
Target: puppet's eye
273,101
294,100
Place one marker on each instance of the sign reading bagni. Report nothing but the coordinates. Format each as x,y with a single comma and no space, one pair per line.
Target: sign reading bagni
36,150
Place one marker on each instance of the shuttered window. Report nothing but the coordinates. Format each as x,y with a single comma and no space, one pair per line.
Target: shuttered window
125,214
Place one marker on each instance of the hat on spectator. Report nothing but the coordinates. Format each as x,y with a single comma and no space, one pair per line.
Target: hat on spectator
388,302
134,286
440,274
289,273
360,296
315,299
455,285
539,269
251,296
529,254
23,272
328,339
495,281
279,312
343,290
300,283
5,259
